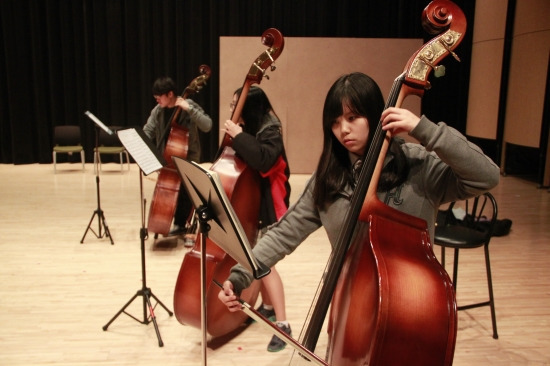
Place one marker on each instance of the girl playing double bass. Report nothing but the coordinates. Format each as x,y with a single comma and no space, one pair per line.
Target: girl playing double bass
257,139
416,178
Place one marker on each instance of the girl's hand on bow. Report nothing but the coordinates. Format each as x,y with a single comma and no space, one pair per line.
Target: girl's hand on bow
228,297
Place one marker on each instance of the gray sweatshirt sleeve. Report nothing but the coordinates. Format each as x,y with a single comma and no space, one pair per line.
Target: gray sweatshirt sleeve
282,238
461,171
199,117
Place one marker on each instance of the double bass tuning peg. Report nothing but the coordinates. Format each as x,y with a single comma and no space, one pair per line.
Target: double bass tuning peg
439,71
272,68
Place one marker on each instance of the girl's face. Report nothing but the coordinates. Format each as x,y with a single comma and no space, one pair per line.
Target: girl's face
352,131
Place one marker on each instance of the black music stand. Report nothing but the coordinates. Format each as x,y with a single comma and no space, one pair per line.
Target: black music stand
218,220
102,224
149,160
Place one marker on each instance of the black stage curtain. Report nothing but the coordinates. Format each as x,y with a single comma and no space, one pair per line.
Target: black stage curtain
61,58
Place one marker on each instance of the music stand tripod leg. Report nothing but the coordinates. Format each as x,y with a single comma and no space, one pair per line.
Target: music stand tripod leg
146,293
102,223
89,227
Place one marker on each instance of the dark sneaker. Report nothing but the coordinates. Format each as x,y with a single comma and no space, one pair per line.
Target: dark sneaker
177,230
277,344
269,314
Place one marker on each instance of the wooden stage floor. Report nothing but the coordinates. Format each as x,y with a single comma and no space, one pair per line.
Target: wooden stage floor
57,293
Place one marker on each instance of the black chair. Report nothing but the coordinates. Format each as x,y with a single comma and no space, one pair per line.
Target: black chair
67,140
110,145
474,230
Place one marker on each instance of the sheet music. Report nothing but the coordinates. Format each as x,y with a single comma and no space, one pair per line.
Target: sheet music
98,122
140,151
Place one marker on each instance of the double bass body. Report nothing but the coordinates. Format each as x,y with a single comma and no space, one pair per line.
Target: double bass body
242,186
394,304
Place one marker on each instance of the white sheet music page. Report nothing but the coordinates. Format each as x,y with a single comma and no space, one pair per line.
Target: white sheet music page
139,150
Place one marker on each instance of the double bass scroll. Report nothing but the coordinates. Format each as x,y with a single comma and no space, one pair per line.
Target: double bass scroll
266,60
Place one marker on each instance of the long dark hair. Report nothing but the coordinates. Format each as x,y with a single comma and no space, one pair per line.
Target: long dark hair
256,107
362,96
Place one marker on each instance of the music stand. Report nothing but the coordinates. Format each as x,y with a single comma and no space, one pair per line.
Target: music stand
218,221
98,211
148,160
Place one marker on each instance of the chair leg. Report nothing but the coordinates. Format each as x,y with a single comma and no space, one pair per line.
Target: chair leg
127,159
491,297
83,159
54,154
120,160
443,257
455,269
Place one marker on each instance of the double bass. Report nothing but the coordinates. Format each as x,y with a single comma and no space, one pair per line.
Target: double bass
392,302
165,195
242,186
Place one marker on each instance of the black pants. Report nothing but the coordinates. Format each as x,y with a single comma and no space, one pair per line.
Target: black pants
183,208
